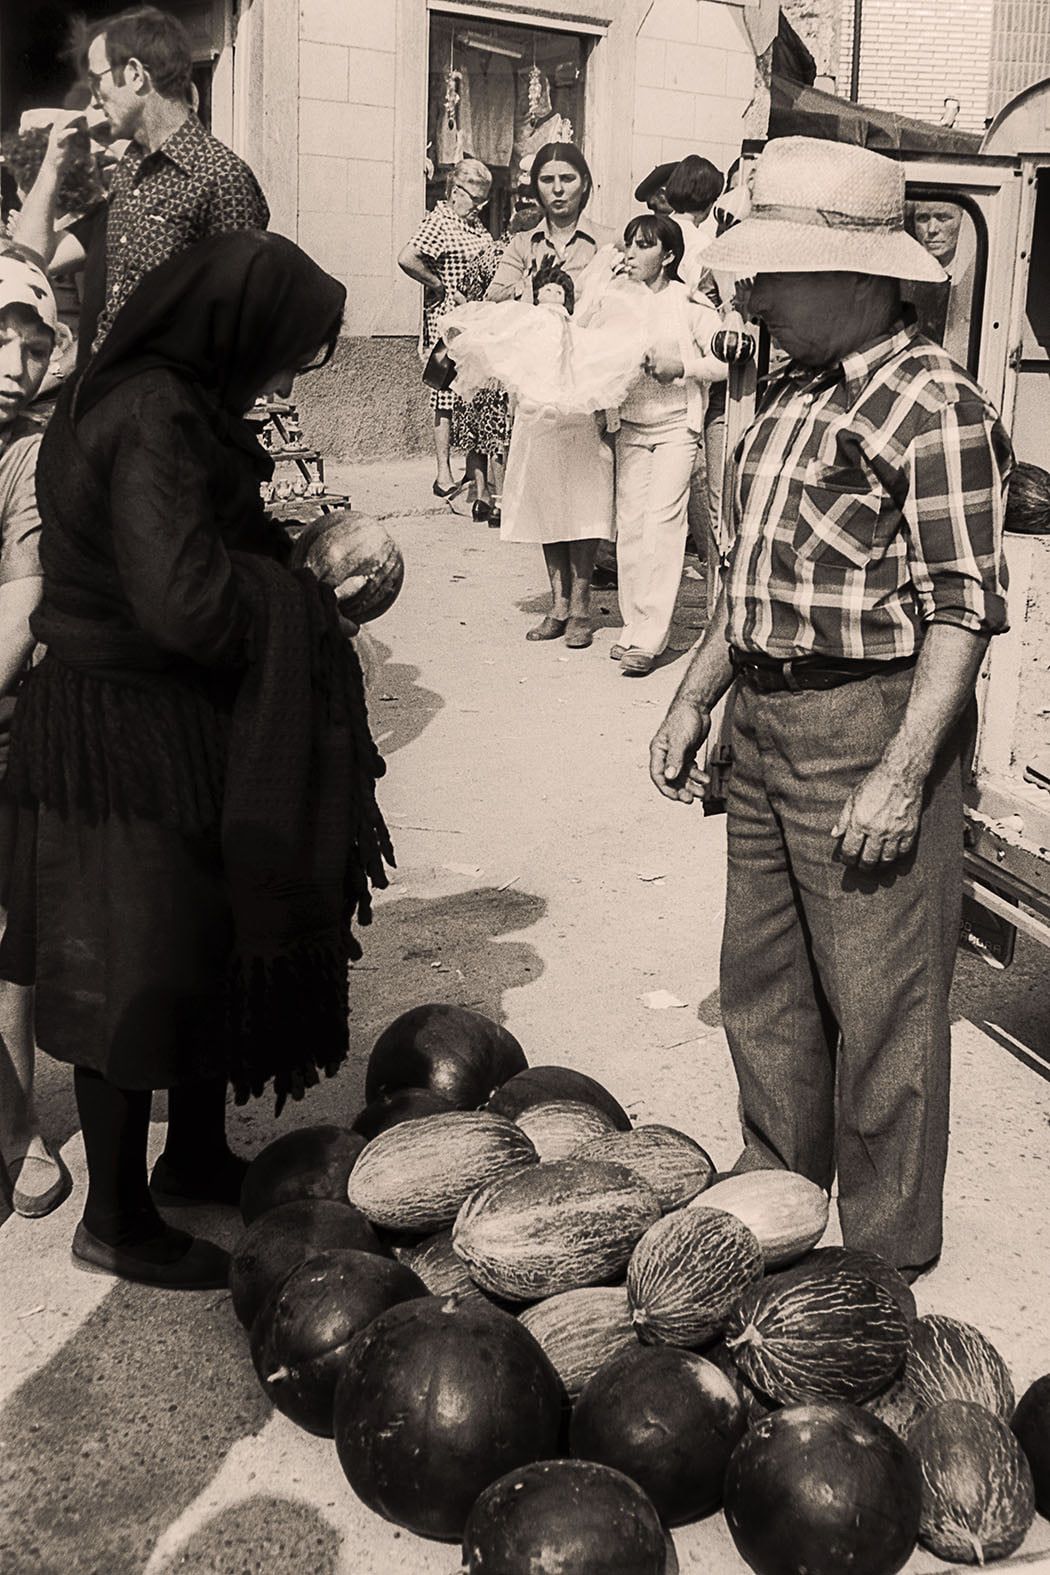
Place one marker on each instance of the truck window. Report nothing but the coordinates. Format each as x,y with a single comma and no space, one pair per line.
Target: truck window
950,311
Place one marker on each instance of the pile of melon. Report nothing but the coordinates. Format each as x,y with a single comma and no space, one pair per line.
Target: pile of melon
535,1328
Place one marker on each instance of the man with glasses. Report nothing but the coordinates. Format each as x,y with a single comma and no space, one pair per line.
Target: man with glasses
176,184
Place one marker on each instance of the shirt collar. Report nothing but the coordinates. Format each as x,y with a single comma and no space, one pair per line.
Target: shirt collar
185,147
542,233
856,370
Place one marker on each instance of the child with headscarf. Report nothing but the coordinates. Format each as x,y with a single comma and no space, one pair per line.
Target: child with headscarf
29,335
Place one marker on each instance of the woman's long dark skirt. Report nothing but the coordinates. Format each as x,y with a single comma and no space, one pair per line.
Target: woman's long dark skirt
126,930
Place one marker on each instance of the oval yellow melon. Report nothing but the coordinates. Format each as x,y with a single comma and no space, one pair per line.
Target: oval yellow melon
415,1176
674,1165
686,1273
580,1330
559,1127
562,1226
787,1213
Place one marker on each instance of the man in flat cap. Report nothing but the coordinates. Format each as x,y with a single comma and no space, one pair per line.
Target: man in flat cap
652,190
865,580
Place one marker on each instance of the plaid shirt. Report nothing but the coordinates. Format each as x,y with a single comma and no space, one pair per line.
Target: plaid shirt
160,203
869,503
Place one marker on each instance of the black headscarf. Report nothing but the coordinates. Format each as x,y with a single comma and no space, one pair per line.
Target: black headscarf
227,314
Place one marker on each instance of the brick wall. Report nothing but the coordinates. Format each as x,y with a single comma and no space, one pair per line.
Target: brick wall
346,147
1020,49
695,75
916,53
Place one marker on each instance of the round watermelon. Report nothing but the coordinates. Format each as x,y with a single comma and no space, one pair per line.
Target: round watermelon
435,1401
401,1104
353,550
285,1236
822,1489
666,1418
313,1162
564,1517
301,1333
453,1051
1031,1423
536,1085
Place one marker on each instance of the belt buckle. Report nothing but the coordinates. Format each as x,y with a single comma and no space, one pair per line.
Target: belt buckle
790,681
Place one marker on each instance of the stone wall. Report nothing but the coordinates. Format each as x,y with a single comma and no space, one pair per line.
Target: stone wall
695,76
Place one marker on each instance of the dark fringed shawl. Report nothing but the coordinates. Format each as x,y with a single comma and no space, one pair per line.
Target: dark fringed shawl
287,775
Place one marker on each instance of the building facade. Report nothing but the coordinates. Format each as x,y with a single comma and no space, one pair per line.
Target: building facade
343,109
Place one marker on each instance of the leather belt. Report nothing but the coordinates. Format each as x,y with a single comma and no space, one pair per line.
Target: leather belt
771,675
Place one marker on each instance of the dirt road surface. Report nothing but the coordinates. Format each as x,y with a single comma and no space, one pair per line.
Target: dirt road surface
541,879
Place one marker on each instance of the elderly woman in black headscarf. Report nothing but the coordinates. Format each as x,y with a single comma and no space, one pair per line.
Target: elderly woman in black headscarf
191,760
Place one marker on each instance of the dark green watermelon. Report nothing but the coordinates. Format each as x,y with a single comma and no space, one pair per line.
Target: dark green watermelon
537,1085
1031,1423
455,1052
311,1162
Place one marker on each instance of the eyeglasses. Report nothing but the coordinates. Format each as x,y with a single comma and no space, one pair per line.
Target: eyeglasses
95,79
475,202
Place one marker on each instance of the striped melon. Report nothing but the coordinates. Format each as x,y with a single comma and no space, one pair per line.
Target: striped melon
787,1213
898,1406
554,1228
675,1166
416,1175
442,1271
977,1495
580,1330
870,1264
558,1127
686,1273
821,1336
951,1360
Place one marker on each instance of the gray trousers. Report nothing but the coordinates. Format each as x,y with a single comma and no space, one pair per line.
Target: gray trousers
835,983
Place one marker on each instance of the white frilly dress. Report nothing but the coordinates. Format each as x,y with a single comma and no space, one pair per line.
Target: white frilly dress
561,371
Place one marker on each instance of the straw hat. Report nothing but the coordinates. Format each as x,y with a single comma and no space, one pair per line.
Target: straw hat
824,207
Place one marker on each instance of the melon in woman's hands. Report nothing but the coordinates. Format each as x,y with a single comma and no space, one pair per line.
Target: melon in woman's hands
357,557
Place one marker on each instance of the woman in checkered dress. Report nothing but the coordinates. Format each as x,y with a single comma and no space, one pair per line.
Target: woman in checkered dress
443,256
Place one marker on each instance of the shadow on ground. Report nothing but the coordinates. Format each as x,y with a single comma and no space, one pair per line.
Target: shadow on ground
121,1430
399,708
107,1444
277,1535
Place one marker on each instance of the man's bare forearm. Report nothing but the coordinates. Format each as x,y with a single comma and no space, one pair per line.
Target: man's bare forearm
36,218
945,678
710,671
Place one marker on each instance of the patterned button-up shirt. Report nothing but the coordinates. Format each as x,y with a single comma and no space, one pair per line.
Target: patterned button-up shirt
869,503
160,203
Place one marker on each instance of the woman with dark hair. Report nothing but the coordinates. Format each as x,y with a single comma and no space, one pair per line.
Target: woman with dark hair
660,429
191,762
561,501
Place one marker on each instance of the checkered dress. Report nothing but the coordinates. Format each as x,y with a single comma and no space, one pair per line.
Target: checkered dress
453,248
869,503
161,203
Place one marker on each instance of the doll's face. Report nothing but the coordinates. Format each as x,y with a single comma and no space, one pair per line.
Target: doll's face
550,295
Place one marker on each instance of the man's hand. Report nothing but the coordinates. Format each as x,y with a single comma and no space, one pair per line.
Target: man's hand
672,753
62,145
880,819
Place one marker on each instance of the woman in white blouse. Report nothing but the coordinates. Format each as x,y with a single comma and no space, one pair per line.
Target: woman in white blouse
660,428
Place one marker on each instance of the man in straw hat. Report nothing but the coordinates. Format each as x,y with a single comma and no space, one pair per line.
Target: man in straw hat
865,580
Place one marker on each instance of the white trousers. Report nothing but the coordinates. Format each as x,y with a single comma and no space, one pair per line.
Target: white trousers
653,468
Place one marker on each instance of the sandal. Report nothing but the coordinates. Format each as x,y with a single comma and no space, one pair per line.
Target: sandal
548,629
448,492
49,1183
635,663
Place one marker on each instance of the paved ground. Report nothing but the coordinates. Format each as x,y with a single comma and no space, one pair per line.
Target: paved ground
542,879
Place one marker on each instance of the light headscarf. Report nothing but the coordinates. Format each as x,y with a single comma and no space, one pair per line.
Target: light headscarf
22,283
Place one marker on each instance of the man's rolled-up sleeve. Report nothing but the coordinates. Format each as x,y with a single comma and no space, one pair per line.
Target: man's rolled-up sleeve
957,467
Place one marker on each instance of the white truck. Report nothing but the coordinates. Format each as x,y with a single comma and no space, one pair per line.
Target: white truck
987,214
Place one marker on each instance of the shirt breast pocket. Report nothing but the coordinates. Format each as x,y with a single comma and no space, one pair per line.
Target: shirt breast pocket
837,520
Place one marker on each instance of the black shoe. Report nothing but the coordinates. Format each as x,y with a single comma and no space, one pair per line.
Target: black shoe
495,519
198,1266
216,1183
448,492
481,510
912,1272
